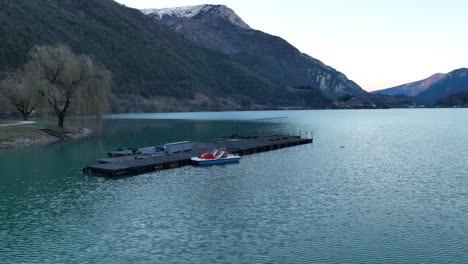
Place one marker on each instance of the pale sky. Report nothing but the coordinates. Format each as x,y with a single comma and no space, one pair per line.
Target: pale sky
376,43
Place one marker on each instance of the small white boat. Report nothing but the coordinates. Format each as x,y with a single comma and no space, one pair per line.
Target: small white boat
217,157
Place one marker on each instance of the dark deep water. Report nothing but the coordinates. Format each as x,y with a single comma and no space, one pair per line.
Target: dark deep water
386,186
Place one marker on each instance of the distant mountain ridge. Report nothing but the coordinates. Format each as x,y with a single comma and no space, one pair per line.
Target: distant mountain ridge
454,82
435,89
414,88
218,28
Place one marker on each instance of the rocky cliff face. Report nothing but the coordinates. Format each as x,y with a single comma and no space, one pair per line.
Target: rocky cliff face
218,28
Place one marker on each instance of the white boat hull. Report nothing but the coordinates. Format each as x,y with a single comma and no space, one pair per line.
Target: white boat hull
229,159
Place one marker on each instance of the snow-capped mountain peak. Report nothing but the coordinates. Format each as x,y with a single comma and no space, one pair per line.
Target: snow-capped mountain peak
182,11
192,11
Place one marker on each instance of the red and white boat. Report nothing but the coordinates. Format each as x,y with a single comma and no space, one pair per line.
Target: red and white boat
217,157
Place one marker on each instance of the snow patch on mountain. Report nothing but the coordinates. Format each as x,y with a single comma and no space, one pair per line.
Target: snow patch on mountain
192,11
182,11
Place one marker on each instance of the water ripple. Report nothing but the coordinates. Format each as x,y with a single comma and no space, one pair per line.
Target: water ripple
375,187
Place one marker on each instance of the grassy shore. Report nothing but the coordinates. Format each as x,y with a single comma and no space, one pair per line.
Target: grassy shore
6,122
22,135
29,134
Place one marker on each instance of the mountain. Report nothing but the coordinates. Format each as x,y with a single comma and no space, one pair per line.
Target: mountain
454,82
454,100
154,68
218,28
439,89
393,101
412,89
192,11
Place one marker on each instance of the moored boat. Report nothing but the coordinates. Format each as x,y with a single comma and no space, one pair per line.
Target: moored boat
217,157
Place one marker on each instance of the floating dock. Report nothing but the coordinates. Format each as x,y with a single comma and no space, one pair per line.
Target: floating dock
126,162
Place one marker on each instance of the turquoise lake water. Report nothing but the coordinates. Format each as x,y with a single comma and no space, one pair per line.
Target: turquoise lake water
376,186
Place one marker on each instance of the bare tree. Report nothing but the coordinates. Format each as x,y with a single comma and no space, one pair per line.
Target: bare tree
22,92
66,77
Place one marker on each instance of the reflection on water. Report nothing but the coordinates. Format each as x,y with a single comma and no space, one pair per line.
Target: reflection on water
376,186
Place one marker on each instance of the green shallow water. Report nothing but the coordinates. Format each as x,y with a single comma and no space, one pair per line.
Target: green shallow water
375,187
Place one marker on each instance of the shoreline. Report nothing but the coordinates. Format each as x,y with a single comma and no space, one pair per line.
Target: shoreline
24,134
17,123
25,142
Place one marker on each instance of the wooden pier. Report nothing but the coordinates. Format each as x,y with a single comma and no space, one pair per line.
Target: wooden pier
136,163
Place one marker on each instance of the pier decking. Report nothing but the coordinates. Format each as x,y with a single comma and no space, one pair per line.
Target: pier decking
130,163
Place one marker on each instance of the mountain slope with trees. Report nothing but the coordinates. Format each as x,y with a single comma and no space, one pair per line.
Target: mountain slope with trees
146,59
218,28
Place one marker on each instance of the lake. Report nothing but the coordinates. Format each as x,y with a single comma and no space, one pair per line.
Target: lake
376,186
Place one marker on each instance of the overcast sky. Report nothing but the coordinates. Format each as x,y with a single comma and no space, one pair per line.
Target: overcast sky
378,44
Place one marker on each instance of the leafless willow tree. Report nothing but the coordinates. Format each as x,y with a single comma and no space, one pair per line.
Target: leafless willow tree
22,92
93,97
68,78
